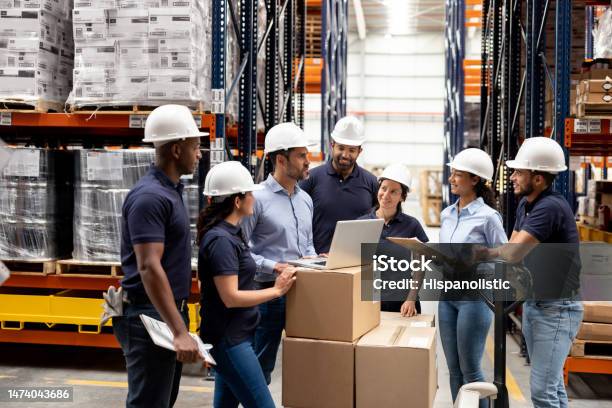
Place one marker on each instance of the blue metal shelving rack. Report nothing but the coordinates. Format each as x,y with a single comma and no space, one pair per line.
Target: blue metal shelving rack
284,47
334,46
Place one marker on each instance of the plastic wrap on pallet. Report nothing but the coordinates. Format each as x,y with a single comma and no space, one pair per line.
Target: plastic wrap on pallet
602,36
36,51
103,179
142,52
36,204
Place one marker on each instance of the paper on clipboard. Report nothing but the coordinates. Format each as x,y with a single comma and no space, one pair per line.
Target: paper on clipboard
162,336
417,246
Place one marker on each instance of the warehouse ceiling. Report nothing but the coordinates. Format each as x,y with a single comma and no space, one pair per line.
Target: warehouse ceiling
398,17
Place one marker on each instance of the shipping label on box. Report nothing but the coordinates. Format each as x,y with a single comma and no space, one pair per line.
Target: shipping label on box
84,32
104,166
20,23
170,23
17,82
176,45
128,23
15,59
23,163
99,4
175,60
56,7
103,55
89,15
19,44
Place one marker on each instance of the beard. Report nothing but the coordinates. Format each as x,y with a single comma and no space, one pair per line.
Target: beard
528,189
345,165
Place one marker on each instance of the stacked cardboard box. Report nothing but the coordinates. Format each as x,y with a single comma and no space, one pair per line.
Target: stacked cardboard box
595,330
594,93
36,52
146,52
333,340
599,194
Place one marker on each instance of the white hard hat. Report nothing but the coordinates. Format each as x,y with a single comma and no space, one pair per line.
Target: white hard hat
473,161
229,178
170,122
399,173
349,131
541,154
285,136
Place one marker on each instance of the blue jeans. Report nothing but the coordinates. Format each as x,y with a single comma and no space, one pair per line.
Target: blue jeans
153,373
238,377
464,326
549,328
268,334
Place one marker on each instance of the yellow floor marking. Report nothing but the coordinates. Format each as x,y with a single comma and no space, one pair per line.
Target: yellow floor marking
513,388
123,384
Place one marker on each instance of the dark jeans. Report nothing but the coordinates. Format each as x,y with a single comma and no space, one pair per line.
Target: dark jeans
268,334
238,377
153,372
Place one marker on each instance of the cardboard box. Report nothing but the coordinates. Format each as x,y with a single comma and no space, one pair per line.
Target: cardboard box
176,45
598,312
143,4
422,320
600,86
20,44
57,7
128,23
172,85
15,82
596,73
592,207
395,364
175,60
132,85
99,4
599,98
89,24
595,331
318,374
137,54
170,23
101,55
327,305
27,23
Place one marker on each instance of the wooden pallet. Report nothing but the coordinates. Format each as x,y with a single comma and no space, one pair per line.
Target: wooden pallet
36,266
107,108
37,106
76,267
598,110
432,207
591,349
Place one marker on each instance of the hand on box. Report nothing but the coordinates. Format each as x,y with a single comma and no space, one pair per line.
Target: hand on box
280,267
285,280
408,308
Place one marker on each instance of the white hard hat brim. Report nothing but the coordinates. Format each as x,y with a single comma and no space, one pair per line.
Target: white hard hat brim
347,142
171,138
462,168
396,179
254,187
513,164
308,145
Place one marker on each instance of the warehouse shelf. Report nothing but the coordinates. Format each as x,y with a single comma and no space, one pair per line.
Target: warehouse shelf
589,137
588,233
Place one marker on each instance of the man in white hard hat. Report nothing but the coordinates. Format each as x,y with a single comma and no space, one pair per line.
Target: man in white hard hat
340,189
552,317
279,230
156,261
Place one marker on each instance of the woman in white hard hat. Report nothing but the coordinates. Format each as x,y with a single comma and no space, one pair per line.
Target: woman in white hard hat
472,219
229,299
393,188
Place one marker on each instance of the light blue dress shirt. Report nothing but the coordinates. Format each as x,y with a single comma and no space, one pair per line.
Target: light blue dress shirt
280,228
477,223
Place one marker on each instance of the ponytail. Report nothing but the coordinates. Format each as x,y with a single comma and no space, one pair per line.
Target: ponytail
487,194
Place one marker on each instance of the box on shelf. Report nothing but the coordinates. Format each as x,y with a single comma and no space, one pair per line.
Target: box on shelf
128,23
170,22
395,364
595,331
318,373
597,312
316,293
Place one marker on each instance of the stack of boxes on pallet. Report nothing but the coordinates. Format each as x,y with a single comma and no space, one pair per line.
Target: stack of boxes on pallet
142,52
36,52
339,351
594,92
595,335
102,181
594,209
36,205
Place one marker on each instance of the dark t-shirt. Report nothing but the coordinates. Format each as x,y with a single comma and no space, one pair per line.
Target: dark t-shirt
336,199
402,225
153,211
224,252
555,262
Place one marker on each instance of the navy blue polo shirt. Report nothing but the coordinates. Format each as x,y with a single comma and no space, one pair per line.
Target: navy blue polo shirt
153,211
336,199
402,225
224,252
555,263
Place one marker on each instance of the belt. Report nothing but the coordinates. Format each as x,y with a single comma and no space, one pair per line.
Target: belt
143,299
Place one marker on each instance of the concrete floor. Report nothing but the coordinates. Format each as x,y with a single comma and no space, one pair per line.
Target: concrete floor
99,379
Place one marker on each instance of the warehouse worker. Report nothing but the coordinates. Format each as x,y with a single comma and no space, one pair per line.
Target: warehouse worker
551,319
156,260
472,219
393,188
340,189
279,230
229,297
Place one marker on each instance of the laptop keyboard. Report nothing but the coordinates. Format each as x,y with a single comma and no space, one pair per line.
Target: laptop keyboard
322,263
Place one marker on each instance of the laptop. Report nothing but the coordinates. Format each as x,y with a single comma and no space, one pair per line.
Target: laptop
345,250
